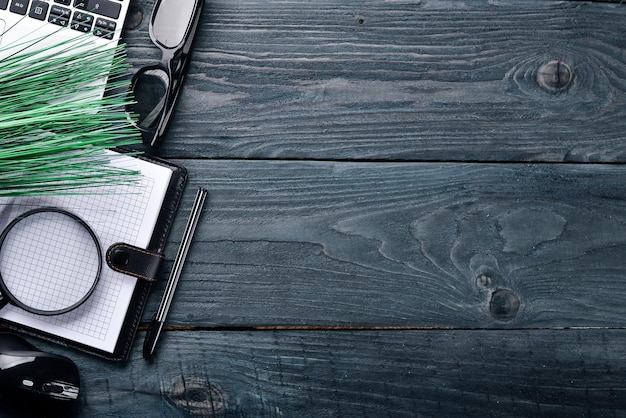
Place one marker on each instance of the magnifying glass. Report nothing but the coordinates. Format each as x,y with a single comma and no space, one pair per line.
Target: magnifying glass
50,262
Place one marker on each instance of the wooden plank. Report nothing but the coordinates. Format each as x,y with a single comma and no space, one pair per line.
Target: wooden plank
364,374
406,244
402,80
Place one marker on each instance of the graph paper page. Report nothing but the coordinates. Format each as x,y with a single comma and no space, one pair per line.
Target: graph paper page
126,213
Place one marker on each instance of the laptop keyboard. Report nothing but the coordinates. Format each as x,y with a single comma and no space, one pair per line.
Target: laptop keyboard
96,16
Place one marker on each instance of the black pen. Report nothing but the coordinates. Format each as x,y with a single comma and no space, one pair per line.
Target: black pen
158,320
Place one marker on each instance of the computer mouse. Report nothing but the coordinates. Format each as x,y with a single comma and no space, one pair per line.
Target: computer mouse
29,373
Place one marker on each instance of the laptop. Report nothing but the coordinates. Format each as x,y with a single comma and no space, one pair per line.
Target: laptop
48,23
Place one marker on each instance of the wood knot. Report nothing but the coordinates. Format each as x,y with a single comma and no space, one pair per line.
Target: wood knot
483,281
504,305
134,18
197,397
555,76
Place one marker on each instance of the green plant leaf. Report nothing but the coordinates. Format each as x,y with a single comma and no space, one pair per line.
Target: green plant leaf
55,126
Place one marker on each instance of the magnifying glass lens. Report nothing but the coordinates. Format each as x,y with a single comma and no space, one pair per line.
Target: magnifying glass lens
50,262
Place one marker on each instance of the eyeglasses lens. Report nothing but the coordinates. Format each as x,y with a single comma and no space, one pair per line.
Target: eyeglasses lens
171,21
150,91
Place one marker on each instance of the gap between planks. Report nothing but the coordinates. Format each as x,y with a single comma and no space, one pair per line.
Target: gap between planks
144,327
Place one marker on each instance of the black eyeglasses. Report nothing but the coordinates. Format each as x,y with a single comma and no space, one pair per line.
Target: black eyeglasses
156,87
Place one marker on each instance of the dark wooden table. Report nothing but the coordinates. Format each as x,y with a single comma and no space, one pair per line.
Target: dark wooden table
416,208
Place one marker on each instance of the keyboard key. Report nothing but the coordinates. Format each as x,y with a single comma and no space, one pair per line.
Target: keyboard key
58,20
60,12
38,10
106,8
19,6
80,27
59,16
64,2
4,4
82,22
103,33
105,24
104,28
83,18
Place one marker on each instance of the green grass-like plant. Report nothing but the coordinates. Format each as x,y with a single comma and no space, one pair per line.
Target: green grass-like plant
54,125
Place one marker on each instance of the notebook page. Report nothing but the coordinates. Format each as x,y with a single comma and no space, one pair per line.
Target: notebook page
126,213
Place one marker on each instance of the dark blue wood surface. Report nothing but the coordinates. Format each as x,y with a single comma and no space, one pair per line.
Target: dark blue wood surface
416,208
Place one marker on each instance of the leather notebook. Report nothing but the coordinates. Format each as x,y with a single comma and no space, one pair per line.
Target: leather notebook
132,222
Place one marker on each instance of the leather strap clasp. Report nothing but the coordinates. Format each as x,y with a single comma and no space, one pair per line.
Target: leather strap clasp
134,261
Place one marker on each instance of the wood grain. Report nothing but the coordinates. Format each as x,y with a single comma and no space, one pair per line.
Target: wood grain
400,80
417,245
405,215
364,374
